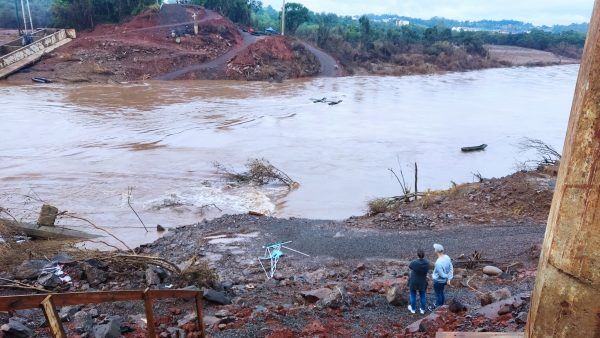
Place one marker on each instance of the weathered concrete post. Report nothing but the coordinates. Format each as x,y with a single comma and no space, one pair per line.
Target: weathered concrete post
566,298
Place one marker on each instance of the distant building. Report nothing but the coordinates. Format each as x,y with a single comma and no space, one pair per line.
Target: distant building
467,29
400,23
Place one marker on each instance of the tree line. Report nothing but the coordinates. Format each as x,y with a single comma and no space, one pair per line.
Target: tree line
340,34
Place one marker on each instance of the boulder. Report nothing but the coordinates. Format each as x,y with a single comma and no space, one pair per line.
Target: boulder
83,321
397,296
14,328
152,278
175,332
315,295
336,298
67,312
94,274
112,329
492,270
216,297
211,320
521,318
456,307
192,317
432,322
495,296
491,311
504,309
48,280
223,313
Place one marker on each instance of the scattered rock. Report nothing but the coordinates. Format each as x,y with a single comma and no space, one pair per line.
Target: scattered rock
112,329
48,280
396,296
521,318
83,321
192,317
456,306
175,332
491,311
210,320
94,274
67,312
316,295
492,270
16,329
336,298
223,313
216,297
495,296
152,278
504,309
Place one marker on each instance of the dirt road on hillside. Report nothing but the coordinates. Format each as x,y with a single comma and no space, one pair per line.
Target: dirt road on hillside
329,66
217,64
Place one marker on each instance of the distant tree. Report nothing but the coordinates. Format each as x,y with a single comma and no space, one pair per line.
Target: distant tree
295,15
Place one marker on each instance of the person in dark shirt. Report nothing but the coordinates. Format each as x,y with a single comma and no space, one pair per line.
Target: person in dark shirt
418,282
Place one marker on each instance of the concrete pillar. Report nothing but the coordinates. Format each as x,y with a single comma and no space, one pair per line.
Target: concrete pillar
566,298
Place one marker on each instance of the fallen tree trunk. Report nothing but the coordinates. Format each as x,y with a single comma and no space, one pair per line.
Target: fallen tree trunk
45,232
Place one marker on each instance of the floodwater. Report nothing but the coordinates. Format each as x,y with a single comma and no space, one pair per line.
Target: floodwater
81,147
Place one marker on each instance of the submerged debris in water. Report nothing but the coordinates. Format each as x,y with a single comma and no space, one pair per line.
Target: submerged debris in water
258,171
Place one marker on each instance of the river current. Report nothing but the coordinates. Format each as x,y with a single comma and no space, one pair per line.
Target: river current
83,147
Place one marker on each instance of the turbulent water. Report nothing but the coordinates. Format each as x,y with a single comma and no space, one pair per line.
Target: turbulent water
80,147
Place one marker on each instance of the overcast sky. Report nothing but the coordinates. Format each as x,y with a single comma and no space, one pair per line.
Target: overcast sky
538,12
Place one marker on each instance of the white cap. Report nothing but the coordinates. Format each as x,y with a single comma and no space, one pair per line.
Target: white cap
438,247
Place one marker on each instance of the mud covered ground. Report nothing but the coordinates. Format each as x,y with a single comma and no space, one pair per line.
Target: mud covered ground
354,282
162,45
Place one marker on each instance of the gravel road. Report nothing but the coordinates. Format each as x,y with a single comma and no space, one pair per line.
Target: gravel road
343,242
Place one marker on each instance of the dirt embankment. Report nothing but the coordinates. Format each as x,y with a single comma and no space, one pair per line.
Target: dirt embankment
519,56
162,45
353,284
273,58
522,198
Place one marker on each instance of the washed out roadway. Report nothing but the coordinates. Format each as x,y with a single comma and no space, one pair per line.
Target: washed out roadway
340,241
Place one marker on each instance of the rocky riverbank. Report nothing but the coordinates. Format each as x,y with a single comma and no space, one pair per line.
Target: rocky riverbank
354,282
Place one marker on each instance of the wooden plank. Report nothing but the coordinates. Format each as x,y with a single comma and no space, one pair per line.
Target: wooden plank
72,298
162,294
479,335
150,327
51,315
200,314
23,302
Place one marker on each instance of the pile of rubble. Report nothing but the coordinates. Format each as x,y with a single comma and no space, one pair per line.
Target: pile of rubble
522,198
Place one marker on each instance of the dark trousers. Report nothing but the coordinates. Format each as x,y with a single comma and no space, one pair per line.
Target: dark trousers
440,298
422,296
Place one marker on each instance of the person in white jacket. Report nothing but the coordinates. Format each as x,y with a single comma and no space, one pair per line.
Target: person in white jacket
443,272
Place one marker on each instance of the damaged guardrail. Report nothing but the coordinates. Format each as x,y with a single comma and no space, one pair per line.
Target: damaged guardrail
31,53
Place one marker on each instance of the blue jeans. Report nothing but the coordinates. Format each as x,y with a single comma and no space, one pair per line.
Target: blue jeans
413,299
440,298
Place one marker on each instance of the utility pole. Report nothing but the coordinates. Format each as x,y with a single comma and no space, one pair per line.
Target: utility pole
18,17
30,19
567,288
24,19
283,19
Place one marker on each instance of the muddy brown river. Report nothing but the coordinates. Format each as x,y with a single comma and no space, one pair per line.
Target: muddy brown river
81,147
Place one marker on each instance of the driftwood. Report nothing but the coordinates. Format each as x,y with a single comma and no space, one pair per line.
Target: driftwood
20,285
46,232
150,260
